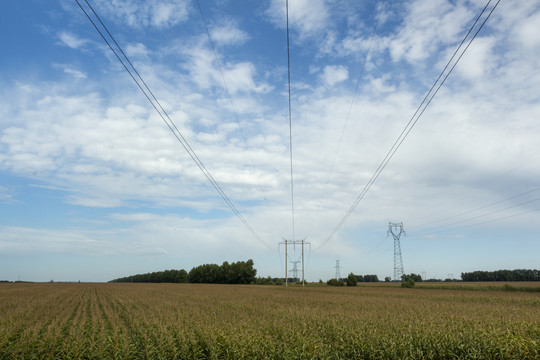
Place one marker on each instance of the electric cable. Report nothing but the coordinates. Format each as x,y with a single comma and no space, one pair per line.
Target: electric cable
472,211
414,119
166,118
491,220
229,95
290,117
475,217
352,103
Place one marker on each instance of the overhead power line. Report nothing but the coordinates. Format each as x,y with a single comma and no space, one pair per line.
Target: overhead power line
221,72
164,115
354,97
229,95
290,115
428,229
445,227
416,116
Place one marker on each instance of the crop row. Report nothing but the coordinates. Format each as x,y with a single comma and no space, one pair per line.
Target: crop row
153,321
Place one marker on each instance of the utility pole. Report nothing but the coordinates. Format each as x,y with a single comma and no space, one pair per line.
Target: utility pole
286,243
396,229
286,259
338,272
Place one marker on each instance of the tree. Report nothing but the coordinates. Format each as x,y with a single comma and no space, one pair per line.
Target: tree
409,283
371,278
387,279
335,282
502,275
414,277
351,280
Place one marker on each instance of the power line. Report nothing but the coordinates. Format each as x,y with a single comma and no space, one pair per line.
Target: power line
221,72
233,107
290,116
165,117
477,217
475,210
416,116
491,220
354,96
290,140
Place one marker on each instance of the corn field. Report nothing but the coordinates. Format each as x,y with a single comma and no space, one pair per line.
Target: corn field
186,321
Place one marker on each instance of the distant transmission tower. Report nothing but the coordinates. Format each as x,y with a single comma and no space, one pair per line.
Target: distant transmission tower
396,229
338,272
286,243
294,270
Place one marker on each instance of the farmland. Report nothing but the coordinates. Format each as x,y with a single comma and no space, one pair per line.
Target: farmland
119,321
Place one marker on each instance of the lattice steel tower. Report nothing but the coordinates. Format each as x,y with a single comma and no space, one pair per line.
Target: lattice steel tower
294,271
396,229
338,272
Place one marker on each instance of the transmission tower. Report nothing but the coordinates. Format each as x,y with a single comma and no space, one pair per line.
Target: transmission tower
286,243
338,272
396,229
294,270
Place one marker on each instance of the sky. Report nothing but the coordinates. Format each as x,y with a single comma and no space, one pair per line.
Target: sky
95,186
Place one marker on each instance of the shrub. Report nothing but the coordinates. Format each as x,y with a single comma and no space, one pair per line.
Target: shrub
335,282
351,280
408,284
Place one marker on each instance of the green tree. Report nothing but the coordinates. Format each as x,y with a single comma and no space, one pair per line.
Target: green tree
335,282
413,276
351,280
409,283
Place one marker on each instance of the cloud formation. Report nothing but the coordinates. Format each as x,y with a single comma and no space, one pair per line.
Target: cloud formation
88,146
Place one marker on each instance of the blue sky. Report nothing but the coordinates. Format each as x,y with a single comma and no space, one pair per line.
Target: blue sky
94,186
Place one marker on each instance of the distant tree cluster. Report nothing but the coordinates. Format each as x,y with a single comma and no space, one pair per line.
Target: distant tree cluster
241,272
502,275
335,282
414,277
351,280
367,278
167,276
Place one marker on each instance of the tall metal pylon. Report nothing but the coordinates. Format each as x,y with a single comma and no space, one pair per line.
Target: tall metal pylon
396,229
294,270
338,270
286,243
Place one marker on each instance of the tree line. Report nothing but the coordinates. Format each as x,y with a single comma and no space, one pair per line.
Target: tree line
502,275
240,272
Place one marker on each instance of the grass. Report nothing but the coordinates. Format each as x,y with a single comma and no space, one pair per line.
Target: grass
121,321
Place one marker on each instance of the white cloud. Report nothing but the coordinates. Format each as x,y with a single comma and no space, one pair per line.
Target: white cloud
428,25
71,40
102,146
333,74
76,73
228,34
137,50
308,17
5,194
240,77
527,31
204,72
22,240
151,13
479,60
